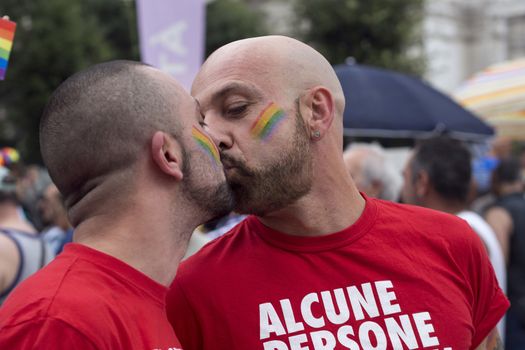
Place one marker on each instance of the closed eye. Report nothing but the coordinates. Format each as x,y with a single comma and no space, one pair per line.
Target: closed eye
236,111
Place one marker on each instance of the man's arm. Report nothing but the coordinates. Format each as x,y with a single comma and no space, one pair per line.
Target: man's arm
44,334
9,262
491,342
501,222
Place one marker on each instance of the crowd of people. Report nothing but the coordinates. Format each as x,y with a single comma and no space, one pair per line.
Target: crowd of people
298,243
439,175
33,220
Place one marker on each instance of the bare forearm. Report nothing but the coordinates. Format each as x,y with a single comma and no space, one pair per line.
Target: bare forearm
491,342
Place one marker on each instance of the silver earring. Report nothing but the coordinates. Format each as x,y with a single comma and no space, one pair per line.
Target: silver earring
316,134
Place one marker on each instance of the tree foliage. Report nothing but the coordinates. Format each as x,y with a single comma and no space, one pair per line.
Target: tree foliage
53,40
375,32
229,20
56,38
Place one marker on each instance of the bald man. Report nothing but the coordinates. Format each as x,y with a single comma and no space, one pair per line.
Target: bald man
372,172
125,146
317,265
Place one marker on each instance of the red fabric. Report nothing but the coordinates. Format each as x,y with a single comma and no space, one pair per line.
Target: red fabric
85,299
401,277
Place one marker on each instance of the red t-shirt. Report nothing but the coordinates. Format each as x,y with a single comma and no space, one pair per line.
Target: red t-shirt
401,277
85,299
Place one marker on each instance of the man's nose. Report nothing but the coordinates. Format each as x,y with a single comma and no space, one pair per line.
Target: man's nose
219,132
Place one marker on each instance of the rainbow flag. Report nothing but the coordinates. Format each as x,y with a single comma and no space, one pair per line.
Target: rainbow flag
264,125
7,34
8,156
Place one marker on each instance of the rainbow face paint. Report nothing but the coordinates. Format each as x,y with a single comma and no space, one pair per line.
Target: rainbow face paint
267,121
206,144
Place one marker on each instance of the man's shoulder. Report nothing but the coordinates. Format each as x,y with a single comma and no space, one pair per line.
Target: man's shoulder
64,296
424,224
33,297
475,220
57,290
42,333
416,213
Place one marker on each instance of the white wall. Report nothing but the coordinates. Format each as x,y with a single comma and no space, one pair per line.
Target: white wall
461,37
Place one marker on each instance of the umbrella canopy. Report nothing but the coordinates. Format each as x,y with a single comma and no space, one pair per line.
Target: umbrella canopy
383,103
497,94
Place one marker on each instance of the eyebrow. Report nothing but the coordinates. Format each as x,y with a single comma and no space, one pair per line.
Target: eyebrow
237,87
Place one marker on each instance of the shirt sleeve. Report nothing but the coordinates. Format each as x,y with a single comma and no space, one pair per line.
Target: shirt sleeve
488,303
182,318
45,334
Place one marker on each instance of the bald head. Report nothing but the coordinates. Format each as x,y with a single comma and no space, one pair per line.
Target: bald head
100,121
372,172
281,61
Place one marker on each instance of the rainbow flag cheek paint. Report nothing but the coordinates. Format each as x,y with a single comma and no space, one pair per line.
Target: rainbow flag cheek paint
267,122
206,144
7,34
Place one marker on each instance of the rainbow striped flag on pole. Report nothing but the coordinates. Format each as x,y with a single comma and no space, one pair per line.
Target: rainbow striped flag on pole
7,34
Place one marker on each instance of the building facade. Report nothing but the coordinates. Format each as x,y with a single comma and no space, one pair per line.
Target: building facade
461,37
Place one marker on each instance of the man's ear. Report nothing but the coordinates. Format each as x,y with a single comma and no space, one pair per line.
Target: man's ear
321,103
166,154
422,185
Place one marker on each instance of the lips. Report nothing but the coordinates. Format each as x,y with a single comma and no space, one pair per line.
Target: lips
228,162
232,166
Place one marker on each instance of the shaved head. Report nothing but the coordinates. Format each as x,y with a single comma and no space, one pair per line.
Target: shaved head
288,65
101,120
235,87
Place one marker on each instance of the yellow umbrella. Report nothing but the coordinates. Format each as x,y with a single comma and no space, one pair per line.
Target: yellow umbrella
497,94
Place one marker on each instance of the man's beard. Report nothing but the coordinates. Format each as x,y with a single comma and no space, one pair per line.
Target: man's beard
214,200
275,185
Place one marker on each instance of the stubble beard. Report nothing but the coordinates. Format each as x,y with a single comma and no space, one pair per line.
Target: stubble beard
214,200
278,184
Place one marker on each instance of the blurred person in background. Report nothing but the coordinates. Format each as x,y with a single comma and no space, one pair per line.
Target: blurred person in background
9,158
521,158
22,250
197,240
438,175
317,265
371,171
211,230
219,227
32,181
500,149
53,214
507,218
125,145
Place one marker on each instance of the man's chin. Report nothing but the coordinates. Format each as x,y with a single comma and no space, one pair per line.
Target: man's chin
235,177
223,200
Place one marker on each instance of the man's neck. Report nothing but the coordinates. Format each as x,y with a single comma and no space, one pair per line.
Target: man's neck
444,205
146,241
328,208
510,188
63,222
10,218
